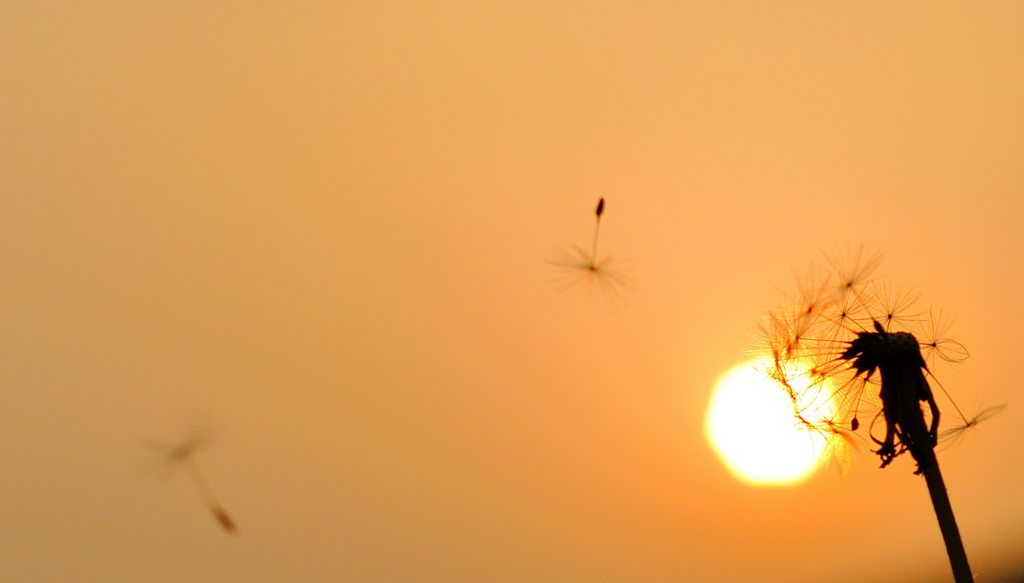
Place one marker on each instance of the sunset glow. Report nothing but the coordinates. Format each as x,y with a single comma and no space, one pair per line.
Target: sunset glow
442,291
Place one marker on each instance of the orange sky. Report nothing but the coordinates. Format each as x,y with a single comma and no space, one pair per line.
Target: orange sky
322,231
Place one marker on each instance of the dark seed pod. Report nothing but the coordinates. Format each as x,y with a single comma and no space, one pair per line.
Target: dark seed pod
600,206
224,519
854,424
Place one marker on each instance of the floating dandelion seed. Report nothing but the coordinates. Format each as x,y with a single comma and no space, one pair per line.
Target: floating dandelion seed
182,454
861,342
952,435
584,269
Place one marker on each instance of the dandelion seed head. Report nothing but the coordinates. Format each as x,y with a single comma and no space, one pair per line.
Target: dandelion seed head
833,335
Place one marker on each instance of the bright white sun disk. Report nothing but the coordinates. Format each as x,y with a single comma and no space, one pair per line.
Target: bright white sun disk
751,425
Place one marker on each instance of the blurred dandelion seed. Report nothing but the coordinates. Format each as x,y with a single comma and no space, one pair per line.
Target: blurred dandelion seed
583,270
862,341
953,435
182,455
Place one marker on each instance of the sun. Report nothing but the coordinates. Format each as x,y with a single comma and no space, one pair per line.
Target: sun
751,425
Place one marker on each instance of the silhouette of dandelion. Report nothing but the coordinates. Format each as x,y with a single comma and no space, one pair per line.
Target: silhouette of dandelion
850,343
181,454
583,270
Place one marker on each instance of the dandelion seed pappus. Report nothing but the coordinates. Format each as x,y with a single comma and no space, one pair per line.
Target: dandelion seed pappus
865,343
582,269
951,436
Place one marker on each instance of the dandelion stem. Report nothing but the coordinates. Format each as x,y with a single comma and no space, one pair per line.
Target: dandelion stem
597,227
947,524
916,433
200,482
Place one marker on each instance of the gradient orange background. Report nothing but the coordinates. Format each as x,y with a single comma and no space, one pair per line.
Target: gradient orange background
321,229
